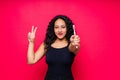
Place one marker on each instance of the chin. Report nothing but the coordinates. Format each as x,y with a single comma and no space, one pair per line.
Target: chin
60,38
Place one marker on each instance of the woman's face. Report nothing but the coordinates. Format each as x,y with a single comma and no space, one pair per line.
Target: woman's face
60,28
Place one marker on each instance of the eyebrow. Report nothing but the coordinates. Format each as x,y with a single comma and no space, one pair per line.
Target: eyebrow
60,25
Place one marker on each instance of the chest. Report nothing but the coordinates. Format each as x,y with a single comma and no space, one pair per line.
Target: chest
59,56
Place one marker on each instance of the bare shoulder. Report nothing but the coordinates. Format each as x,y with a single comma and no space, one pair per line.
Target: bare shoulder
42,45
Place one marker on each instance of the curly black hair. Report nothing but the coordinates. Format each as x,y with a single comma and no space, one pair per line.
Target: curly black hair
50,35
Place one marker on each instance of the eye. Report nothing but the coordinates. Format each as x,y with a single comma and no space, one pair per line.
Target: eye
63,26
56,27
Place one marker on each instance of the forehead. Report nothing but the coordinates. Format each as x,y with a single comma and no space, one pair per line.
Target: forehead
59,21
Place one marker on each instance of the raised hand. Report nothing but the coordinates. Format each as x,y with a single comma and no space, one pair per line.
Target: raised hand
75,40
31,35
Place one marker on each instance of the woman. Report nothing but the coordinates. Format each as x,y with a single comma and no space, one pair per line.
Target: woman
60,47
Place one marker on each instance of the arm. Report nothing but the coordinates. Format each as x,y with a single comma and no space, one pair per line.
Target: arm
32,56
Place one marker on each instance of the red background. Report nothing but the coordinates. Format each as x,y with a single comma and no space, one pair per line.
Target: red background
97,24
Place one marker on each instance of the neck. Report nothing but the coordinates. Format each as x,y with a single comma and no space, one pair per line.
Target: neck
61,40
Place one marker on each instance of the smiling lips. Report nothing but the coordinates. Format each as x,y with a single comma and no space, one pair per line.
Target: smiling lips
60,34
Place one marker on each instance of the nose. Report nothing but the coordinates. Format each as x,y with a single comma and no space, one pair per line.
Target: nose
60,29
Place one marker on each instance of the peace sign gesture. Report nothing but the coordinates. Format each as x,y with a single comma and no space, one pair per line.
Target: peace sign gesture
31,35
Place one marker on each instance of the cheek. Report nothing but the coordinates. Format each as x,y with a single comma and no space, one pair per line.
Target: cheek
55,31
65,30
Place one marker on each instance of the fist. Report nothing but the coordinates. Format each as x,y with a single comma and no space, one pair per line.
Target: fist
75,40
31,35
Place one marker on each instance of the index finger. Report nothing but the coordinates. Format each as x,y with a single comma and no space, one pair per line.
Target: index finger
32,28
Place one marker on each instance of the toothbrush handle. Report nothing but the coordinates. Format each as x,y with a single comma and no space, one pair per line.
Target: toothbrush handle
74,34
